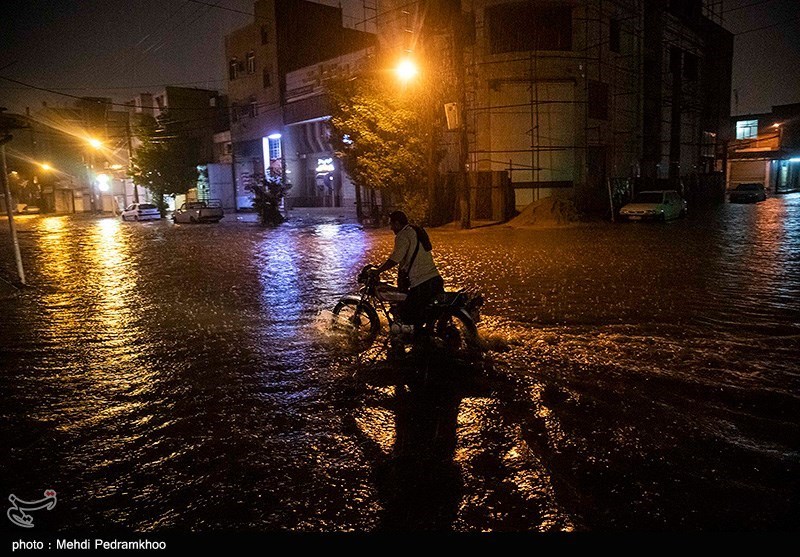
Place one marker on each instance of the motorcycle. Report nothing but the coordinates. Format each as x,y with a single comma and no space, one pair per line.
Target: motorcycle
450,320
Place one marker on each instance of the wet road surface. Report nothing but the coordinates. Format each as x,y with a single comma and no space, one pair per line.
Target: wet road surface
164,377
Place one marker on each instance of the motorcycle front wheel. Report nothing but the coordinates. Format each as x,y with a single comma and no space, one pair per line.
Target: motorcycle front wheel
458,333
359,323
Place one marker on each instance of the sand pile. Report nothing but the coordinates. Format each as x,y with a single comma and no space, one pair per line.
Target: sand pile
550,211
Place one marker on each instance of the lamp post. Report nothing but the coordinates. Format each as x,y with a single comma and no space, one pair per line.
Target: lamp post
464,201
94,145
9,211
778,126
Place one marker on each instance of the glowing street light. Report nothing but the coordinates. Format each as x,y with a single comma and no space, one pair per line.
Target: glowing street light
103,182
95,145
46,167
406,70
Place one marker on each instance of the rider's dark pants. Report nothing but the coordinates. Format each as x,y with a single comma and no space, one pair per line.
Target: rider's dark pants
412,311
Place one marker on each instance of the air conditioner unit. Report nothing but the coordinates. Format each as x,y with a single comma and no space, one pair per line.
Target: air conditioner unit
452,115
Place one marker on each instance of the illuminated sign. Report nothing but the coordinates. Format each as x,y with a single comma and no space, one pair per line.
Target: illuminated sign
325,165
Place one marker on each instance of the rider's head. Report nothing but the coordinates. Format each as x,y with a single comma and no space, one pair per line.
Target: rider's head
398,220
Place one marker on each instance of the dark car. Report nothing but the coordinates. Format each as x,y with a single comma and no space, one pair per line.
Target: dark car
748,193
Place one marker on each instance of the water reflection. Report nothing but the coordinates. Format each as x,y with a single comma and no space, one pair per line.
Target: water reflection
170,377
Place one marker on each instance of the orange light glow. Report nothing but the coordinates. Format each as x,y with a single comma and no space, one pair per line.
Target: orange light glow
406,70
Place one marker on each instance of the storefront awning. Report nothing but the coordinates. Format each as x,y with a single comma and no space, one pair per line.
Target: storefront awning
312,137
763,155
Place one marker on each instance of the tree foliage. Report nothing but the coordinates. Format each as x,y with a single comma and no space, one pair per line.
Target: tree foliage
387,136
166,161
268,192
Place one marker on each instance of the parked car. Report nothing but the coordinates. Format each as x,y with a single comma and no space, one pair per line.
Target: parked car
748,193
141,211
655,205
199,211
23,209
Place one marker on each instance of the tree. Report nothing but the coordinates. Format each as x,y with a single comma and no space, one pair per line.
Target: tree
269,191
387,137
167,159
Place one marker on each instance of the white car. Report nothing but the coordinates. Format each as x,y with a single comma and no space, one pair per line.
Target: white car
141,211
23,209
199,211
655,205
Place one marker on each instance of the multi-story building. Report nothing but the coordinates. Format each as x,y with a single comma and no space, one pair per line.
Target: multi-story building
197,114
571,98
86,147
766,149
285,36
85,151
566,95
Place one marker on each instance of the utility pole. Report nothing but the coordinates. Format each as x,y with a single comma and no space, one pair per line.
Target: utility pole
457,30
130,157
90,180
4,173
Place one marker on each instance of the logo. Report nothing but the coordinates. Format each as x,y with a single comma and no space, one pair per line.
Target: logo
16,513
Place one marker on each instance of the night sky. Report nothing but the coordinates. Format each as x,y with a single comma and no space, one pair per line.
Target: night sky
118,48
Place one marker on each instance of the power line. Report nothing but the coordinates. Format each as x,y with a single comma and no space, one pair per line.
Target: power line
226,8
130,87
55,92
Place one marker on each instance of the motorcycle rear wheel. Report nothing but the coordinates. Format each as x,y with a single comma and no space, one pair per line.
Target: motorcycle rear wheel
359,322
458,333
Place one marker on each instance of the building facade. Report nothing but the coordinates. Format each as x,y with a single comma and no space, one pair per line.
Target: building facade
572,97
85,149
285,36
766,149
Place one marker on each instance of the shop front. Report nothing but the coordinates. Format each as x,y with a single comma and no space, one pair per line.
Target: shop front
315,173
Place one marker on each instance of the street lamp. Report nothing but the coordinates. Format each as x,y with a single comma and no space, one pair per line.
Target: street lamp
779,126
46,167
103,182
95,145
406,70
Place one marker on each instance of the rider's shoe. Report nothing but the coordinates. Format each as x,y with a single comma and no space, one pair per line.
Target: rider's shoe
402,330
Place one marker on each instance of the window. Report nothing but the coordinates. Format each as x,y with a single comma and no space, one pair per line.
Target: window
274,147
264,34
234,112
746,129
252,109
525,26
614,36
233,69
267,78
251,62
598,100
690,66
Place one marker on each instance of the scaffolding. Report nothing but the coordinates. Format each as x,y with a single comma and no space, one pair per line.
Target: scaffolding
520,83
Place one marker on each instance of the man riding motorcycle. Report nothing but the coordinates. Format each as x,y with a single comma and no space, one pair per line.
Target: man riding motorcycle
417,274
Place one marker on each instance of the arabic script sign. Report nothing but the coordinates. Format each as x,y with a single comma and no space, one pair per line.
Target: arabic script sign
16,513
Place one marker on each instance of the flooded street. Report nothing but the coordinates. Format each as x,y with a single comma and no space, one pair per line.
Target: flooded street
174,377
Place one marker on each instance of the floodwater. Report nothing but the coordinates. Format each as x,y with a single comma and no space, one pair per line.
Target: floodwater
162,377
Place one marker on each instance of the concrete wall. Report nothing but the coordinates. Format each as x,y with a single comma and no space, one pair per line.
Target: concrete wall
220,181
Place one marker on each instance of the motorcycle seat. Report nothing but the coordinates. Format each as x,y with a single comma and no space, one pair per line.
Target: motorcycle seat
391,294
447,298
